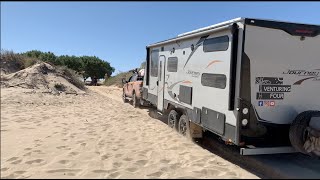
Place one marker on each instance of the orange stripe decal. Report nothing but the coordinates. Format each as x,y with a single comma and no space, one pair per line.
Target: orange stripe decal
187,82
212,62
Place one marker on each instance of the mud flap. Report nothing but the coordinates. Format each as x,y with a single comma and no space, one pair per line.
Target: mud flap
195,130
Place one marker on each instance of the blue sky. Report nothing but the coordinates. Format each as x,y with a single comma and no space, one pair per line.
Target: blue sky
118,32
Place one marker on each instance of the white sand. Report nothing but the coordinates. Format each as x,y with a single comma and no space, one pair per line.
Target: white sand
96,136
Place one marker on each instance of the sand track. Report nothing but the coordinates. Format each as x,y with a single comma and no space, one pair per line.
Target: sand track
96,135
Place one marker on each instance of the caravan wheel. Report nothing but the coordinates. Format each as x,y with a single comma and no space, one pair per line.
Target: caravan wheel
173,118
184,125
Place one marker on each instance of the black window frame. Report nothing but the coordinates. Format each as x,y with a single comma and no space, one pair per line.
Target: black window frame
215,83
154,70
215,40
168,64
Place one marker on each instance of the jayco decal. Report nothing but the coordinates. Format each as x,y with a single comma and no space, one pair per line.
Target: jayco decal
313,74
193,73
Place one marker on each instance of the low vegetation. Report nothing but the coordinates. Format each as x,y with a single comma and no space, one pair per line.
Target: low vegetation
11,62
59,87
117,79
72,68
87,66
71,75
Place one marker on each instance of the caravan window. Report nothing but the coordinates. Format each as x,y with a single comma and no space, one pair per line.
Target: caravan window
214,80
154,63
172,64
216,44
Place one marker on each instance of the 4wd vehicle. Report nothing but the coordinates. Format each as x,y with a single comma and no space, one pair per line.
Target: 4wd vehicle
132,89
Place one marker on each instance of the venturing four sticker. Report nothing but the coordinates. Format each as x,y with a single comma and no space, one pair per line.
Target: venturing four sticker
271,88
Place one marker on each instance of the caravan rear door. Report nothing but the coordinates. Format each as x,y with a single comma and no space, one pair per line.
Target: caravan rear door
284,69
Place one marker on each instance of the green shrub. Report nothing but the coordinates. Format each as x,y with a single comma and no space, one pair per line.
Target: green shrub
59,87
29,61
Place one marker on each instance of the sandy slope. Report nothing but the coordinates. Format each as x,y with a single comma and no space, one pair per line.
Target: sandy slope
41,77
96,136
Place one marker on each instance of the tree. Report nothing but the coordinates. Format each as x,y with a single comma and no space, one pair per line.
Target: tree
32,53
71,62
49,57
88,66
95,67
43,56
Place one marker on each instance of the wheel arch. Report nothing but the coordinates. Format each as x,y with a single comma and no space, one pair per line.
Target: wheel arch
181,110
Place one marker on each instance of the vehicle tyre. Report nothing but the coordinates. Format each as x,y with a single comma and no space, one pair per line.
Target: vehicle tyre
135,100
184,126
142,102
173,118
298,133
124,98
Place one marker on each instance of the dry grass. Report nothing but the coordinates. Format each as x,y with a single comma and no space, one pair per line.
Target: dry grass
71,76
12,62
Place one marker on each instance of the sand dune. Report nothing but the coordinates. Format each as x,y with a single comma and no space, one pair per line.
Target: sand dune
95,135
42,77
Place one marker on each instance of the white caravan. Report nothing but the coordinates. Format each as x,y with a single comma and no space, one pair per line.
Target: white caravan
254,83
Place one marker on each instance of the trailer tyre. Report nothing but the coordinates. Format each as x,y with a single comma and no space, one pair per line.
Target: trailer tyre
298,132
184,126
173,118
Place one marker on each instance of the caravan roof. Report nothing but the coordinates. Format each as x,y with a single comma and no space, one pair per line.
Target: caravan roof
215,26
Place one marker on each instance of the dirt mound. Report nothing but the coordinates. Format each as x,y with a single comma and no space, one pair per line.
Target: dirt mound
45,78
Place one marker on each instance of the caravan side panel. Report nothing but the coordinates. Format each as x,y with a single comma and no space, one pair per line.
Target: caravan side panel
201,83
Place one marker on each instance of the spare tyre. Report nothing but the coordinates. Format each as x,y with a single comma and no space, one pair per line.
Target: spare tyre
298,133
